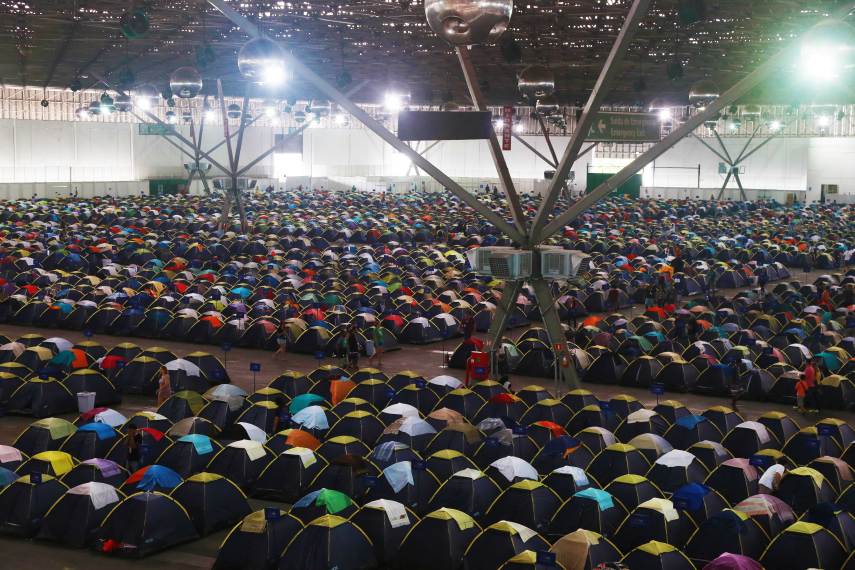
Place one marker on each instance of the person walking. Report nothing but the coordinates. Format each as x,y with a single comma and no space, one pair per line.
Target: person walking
133,443
613,300
164,387
468,327
374,345
574,307
801,392
352,345
503,367
282,341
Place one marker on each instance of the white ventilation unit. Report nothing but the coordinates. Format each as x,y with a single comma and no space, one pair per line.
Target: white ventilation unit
557,263
500,262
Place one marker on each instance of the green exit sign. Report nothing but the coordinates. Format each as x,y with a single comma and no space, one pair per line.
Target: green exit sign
155,129
625,127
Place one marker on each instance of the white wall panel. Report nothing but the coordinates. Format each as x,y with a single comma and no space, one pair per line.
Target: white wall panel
831,161
56,152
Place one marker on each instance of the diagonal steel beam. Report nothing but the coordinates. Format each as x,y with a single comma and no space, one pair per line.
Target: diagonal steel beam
586,150
225,116
501,317
61,52
493,141
756,148
288,137
724,186
545,132
748,143
272,149
604,82
746,84
222,142
712,150
175,144
377,128
535,151
739,183
723,148
157,120
243,124
750,81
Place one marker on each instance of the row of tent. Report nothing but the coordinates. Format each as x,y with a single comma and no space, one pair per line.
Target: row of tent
42,376
137,269
418,313
673,470
737,342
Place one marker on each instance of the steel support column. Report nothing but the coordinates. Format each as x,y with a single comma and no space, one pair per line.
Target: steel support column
552,324
583,125
242,128
232,193
733,166
360,115
500,320
739,183
495,148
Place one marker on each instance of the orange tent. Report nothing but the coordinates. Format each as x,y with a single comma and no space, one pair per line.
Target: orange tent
300,438
339,389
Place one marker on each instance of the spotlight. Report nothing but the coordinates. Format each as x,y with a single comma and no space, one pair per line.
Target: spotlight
732,126
340,120
393,102
82,113
273,74
270,110
210,115
518,128
498,124
823,121
146,97
775,126
826,51
664,115
171,117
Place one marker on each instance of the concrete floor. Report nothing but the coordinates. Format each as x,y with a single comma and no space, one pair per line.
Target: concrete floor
426,360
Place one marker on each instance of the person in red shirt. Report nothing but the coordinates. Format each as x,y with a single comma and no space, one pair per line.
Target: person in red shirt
809,374
810,377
